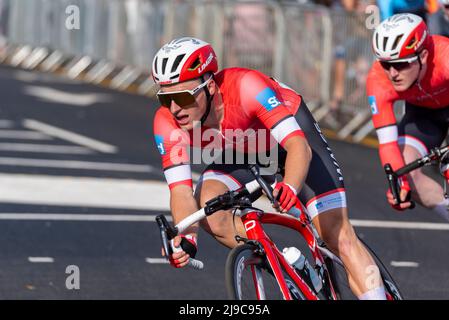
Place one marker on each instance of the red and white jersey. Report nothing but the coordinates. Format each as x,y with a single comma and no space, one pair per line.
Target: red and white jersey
256,107
431,92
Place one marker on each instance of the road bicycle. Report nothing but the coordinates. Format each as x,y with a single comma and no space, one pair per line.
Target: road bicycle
257,269
435,156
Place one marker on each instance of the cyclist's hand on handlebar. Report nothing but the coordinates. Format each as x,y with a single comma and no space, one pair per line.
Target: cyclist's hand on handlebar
187,247
404,194
285,194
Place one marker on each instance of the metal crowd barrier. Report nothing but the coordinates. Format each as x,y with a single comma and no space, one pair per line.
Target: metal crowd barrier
116,40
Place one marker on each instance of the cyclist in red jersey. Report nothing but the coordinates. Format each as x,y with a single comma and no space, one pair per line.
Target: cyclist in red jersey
227,110
411,65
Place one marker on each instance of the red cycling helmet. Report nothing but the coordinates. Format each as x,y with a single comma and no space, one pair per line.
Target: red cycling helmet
400,37
183,59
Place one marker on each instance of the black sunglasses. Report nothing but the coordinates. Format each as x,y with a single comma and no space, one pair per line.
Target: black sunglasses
398,66
182,98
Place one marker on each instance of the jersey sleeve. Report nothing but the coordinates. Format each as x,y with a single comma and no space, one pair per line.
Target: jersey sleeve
172,143
381,97
260,98
381,101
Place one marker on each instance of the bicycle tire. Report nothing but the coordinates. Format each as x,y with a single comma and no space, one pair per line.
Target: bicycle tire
340,279
238,261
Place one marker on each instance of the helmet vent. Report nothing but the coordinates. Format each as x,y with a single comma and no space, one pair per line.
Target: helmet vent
176,63
396,42
385,43
164,65
155,65
412,42
195,64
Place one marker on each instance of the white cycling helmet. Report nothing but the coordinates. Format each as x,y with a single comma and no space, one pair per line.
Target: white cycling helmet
444,2
400,37
183,59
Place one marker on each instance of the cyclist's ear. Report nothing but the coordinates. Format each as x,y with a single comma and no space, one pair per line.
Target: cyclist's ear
212,85
424,55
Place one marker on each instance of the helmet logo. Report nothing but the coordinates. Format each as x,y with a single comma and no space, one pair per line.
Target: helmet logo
168,48
392,26
421,41
204,65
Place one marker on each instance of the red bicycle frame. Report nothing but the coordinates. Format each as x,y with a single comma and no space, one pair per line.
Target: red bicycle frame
253,220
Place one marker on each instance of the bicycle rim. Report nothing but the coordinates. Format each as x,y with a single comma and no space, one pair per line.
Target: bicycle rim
248,276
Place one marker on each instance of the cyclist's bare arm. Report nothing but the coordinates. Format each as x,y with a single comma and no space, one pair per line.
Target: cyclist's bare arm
182,204
297,163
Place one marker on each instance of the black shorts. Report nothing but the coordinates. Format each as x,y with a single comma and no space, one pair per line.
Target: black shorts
324,187
423,128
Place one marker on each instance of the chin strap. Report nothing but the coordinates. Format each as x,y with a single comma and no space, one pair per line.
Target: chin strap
209,102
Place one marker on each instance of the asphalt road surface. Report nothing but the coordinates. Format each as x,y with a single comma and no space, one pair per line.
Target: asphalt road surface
81,184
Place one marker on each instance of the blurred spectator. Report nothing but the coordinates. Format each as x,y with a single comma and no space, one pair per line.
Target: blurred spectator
339,67
439,21
349,55
391,7
144,26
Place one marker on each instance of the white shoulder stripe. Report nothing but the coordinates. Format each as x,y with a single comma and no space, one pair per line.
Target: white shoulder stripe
387,134
178,173
284,128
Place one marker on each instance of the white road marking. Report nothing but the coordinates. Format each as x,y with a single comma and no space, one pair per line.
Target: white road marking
23,134
44,148
59,96
400,225
123,194
156,260
80,217
6,123
69,136
404,264
41,259
72,164
84,191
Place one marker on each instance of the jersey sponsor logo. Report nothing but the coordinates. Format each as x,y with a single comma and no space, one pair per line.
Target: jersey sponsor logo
160,143
267,98
329,202
373,105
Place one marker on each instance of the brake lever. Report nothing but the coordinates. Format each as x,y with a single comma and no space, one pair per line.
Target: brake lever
393,181
263,184
167,233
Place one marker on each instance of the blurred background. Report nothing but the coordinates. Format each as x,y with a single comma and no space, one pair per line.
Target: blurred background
80,178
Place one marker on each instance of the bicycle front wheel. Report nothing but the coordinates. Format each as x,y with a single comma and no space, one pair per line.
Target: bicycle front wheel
248,276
